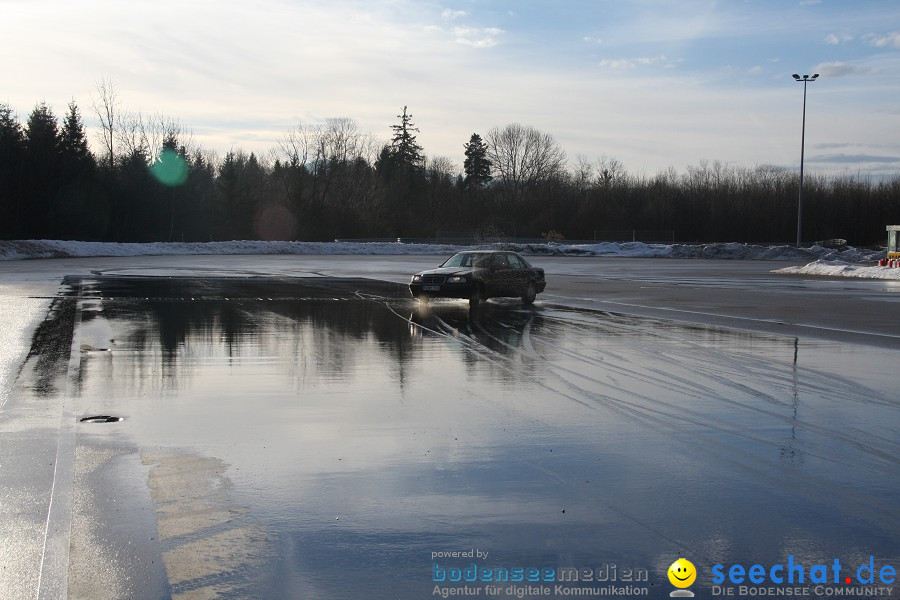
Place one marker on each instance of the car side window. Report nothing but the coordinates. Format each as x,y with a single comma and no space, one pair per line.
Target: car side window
460,260
515,262
500,261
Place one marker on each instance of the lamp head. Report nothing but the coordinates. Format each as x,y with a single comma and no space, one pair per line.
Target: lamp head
795,76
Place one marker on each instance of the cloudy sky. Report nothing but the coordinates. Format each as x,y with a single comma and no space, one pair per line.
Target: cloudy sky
653,83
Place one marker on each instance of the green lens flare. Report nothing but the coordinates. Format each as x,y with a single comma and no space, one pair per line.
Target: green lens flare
170,168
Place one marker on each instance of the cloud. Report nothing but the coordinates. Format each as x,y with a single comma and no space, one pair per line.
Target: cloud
841,69
631,63
756,70
835,39
478,37
854,158
208,65
888,40
449,15
834,145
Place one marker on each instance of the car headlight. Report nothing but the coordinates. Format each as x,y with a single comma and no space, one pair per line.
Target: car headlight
416,278
457,279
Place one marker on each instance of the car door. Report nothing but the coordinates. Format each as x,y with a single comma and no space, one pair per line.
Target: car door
520,275
504,276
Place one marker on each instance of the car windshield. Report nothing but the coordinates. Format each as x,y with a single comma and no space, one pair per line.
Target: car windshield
468,259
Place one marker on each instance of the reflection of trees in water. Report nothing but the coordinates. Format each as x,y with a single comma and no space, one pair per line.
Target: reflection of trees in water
312,338
51,346
315,329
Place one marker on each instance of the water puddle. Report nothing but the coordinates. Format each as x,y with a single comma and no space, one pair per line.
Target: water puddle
342,436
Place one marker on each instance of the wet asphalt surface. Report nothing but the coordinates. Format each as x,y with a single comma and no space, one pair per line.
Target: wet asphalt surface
324,438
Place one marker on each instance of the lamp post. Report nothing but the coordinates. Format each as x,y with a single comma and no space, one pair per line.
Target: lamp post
805,79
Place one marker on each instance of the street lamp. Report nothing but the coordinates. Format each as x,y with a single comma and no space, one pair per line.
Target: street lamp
805,79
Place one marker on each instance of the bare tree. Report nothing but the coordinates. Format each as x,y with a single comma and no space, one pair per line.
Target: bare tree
344,142
440,168
106,106
146,135
130,135
583,176
522,156
335,157
295,146
337,140
341,148
609,170
158,129
440,171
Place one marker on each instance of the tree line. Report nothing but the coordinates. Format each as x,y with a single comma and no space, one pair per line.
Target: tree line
152,182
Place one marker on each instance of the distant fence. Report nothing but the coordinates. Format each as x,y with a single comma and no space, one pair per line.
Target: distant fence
634,235
469,241
621,236
451,241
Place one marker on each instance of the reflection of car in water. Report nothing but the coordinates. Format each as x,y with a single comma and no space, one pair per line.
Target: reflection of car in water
500,328
479,275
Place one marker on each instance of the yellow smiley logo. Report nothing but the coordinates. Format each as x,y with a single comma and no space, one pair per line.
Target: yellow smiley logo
682,573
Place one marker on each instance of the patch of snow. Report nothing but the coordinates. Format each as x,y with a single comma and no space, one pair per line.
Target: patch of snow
23,249
729,251
837,268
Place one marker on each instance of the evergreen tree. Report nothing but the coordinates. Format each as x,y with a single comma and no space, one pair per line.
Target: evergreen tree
401,167
386,163
136,205
41,170
42,139
10,129
241,188
77,206
12,149
476,166
73,140
404,147
200,192
228,208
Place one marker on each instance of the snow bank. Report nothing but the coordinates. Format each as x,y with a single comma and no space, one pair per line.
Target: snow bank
837,268
13,250
730,251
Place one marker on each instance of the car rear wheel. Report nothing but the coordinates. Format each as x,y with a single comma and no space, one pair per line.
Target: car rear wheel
530,293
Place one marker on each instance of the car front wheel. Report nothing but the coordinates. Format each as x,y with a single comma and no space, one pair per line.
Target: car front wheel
530,293
475,296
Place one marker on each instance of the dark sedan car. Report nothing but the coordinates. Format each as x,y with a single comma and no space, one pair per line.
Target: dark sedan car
478,275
